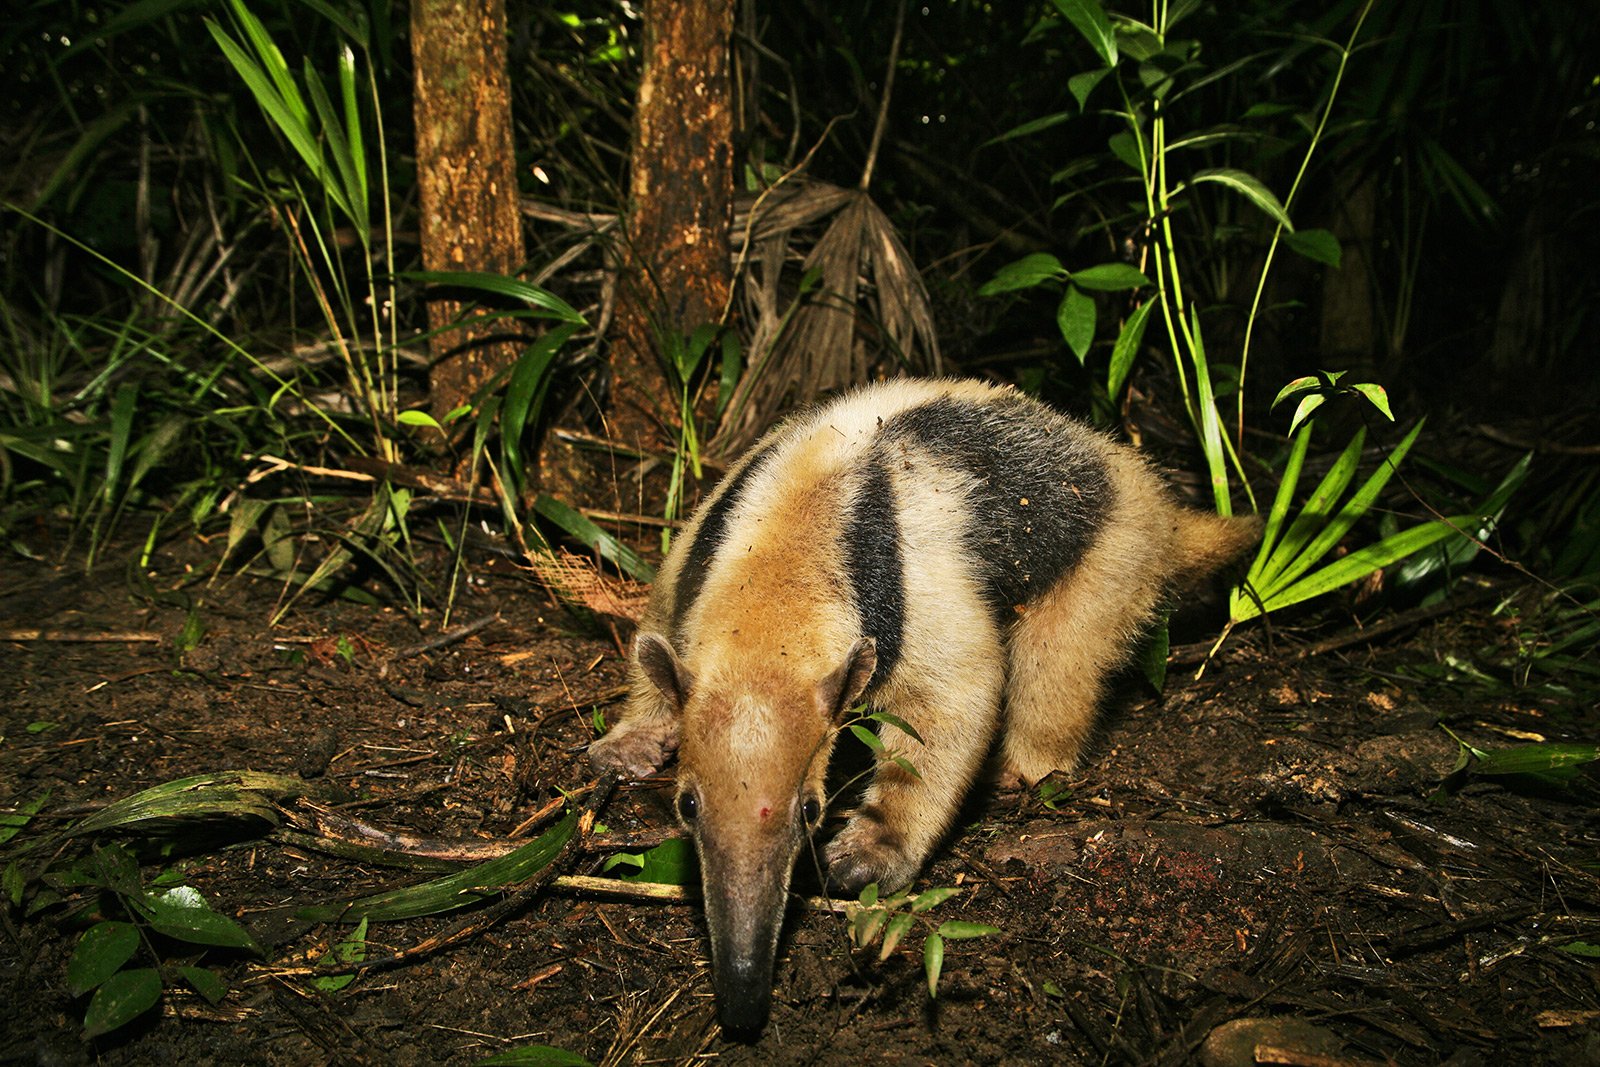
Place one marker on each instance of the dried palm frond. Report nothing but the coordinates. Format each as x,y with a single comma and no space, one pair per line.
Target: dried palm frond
854,305
576,580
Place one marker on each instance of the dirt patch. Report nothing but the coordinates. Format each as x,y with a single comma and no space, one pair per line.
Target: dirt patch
1264,846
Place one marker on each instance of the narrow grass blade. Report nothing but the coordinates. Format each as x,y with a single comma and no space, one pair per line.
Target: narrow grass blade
575,523
455,890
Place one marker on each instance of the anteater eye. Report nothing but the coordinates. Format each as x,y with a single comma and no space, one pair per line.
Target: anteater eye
688,806
811,810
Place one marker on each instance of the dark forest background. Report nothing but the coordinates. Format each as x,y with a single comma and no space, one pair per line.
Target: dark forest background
213,314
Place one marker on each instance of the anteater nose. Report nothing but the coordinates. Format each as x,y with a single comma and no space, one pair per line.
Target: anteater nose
744,999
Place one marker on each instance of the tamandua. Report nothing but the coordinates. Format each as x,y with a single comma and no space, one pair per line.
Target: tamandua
951,552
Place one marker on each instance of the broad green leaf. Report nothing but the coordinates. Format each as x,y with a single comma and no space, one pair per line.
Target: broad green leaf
1318,245
1081,85
1248,186
933,962
183,914
1580,948
1125,147
1110,277
869,894
233,793
1376,395
101,953
957,929
206,982
1025,273
1075,317
535,1056
1126,349
122,998
1091,21
673,862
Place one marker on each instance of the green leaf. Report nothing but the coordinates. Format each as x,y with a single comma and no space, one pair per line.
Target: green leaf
1557,759
958,929
488,879
1153,658
122,998
182,913
1318,245
418,417
1248,186
866,925
867,737
524,397
869,894
1376,395
353,949
673,862
101,953
11,823
929,899
1081,85
1091,21
535,1056
1025,273
907,766
1581,948
499,285
893,931
1306,408
1125,147
1052,793
575,523
1110,277
206,982
1309,383
1075,317
1127,348
933,962
1033,126
898,723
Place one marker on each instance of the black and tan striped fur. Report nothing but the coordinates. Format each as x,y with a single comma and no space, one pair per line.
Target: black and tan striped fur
951,552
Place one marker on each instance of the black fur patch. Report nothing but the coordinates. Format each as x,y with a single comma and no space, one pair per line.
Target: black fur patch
874,564
1040,494
709,537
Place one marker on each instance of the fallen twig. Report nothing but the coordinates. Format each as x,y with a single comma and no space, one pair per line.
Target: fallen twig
72,636
449,637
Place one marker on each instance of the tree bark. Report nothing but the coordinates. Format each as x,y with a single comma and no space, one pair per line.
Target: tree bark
676,272
466,179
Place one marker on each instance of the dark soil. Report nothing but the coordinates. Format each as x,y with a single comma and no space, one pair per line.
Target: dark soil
1267,843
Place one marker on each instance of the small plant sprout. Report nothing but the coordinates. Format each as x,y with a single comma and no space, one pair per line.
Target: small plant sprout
891,918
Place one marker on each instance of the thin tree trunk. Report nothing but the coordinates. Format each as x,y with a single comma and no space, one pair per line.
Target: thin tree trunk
676,275
466,178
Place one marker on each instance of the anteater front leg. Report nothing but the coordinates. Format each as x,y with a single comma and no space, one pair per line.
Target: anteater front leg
903,816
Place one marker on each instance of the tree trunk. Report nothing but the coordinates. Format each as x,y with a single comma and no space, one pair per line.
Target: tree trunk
466,178
676,272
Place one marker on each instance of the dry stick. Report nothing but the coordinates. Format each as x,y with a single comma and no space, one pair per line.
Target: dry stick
69,636
449,637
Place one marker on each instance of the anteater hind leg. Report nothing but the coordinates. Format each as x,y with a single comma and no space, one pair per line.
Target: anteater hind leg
1069,641
902,816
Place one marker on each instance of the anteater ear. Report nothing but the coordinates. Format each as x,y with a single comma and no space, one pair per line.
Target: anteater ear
841,689
660,664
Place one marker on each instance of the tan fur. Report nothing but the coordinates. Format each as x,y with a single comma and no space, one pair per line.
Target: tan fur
750,688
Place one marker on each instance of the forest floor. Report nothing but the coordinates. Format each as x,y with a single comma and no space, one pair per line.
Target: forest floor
1264,856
